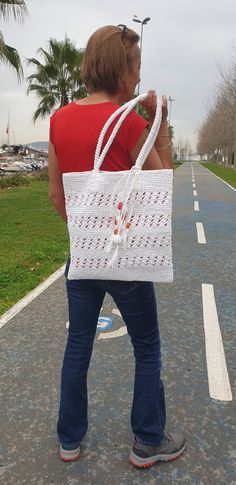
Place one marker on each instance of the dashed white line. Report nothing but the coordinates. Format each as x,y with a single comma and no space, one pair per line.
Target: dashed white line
218,378
195,193
196,205
31,296
194,185
200,233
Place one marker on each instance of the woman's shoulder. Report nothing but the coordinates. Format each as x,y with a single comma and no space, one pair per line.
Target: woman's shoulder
64,109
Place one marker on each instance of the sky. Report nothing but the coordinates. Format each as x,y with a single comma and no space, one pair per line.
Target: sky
183,44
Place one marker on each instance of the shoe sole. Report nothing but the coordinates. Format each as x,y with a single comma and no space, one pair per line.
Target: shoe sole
69,459
69,455
148,462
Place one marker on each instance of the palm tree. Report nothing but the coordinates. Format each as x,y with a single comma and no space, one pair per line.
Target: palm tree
9,55
57,79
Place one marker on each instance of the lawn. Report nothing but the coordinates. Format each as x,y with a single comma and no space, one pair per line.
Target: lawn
225,173
34,241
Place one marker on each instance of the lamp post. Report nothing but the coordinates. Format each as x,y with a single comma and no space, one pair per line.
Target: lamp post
142,22
170,101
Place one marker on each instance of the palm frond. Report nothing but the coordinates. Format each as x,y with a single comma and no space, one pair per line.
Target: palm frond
33,60
56,79
11,57
13,8
45,107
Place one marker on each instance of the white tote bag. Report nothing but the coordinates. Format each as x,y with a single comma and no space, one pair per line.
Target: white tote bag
119,223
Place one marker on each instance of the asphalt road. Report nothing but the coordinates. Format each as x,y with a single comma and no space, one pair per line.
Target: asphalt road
33,342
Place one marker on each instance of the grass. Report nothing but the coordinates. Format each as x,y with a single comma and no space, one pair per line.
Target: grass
19,180
176,164
33,238
225,173
14,181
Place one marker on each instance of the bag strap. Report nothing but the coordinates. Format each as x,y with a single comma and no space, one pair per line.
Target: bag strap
126,109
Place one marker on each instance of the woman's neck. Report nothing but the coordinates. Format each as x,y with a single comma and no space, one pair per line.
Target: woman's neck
102,97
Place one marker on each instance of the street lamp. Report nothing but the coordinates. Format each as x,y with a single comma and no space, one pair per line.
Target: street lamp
142,22
170,101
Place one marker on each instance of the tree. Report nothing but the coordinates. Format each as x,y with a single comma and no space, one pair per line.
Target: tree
56,80
9,55
171,132
217,133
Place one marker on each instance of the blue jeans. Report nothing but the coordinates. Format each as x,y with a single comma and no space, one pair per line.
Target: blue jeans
137,304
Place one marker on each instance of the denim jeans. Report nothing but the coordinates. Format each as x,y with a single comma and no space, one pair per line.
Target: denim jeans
137,304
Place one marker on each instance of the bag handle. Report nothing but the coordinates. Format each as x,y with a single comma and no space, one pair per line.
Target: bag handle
126,109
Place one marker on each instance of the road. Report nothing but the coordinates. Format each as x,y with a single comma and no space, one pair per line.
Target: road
197,322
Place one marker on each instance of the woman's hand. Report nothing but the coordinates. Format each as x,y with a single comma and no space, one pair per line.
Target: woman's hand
150,103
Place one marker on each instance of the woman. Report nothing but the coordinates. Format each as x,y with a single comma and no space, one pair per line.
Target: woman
110,71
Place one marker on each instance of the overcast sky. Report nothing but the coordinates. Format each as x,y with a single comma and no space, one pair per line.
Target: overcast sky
182,44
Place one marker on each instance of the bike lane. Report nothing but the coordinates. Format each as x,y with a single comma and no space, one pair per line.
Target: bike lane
33,343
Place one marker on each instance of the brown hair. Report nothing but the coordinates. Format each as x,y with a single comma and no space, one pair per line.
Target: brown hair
107,57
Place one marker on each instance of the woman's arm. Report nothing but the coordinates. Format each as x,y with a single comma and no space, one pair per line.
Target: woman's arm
56,192
163,142
153,161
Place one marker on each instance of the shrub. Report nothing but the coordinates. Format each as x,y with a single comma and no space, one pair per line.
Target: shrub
13,181
40,174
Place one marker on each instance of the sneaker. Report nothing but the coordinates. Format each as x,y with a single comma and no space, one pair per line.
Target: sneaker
171,447
69,455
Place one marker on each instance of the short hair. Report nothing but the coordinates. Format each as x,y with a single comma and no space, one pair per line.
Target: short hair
107,57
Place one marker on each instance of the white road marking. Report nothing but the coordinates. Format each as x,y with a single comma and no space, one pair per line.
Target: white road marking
218,378
116,312
196,205
195,193
116,333
194,186
200,233
101,324
31,296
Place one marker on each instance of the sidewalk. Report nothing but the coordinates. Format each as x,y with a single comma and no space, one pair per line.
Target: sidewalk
33,345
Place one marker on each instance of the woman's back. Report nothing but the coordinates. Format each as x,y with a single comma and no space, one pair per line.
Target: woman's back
75,130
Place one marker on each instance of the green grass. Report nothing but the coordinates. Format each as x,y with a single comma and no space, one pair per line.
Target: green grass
176,164
33,238
225,173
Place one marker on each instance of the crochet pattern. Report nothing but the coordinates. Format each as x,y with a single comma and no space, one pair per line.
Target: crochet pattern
119,223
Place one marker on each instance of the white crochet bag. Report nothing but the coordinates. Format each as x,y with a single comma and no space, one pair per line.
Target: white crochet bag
119,223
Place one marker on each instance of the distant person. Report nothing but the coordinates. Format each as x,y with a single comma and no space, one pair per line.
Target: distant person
111,71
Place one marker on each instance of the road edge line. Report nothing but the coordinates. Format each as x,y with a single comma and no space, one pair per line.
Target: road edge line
9,314
219,178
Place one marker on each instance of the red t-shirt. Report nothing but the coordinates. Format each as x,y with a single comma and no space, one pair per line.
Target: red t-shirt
74,132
